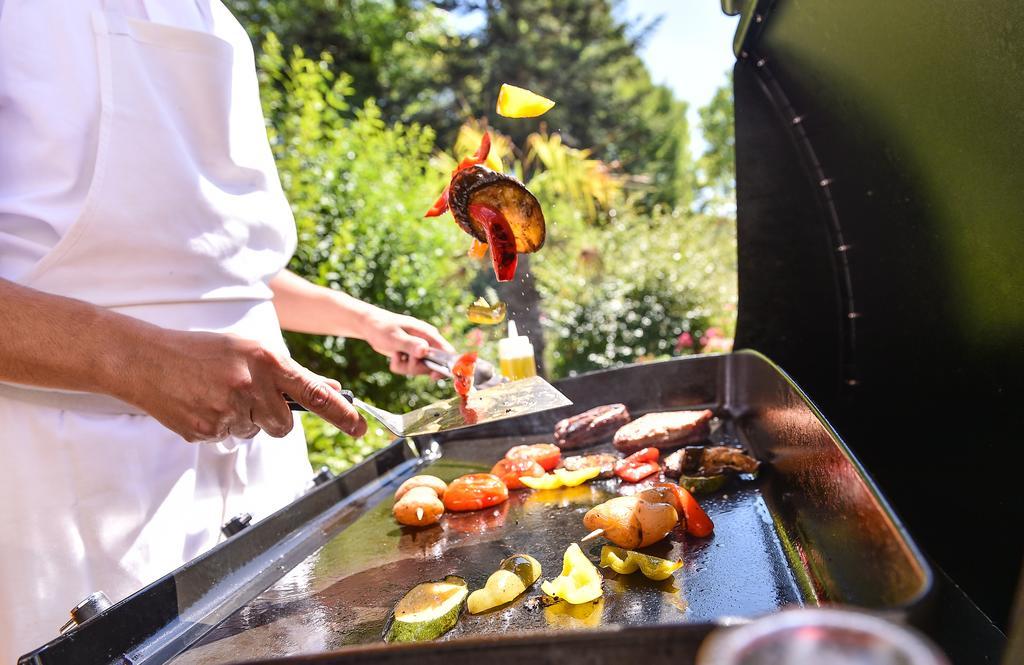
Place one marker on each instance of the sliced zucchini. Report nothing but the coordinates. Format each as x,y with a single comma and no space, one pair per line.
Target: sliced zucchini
703,484
427,611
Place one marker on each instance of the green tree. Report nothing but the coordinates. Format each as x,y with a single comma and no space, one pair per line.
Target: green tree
407,58
393,50
580,54
716,167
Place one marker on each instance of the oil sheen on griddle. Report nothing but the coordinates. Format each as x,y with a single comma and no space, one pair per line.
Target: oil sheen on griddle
515,355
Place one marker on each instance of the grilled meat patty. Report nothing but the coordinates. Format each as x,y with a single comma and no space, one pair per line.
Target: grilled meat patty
604,461
590,427
663,430
709,461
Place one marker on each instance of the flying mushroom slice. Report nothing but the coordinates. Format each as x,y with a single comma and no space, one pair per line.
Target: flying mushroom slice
498,211
478,185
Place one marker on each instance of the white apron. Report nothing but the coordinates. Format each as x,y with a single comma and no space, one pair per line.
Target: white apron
183,226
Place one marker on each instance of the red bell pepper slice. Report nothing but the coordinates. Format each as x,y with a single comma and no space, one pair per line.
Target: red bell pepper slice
639,465
642,455
462,373
440,205
634,473
697,521
479,157
500,240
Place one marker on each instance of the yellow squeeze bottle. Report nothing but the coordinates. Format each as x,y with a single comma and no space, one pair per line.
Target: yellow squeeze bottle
515,355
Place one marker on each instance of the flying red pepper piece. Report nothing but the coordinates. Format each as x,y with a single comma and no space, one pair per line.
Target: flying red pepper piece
479,157
500,239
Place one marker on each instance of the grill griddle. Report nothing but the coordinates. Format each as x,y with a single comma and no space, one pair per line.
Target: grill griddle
812,529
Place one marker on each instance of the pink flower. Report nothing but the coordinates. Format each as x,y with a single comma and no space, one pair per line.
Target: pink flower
718,345
709,336
685,341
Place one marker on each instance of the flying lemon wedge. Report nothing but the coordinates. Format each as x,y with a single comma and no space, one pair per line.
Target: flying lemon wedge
516,102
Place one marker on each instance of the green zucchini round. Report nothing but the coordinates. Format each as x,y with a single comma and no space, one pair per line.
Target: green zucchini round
427,611
703,484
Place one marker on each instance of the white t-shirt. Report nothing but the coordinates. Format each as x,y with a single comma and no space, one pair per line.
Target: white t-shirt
49,114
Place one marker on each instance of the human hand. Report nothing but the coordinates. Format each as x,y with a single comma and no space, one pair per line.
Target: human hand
403,339
208,386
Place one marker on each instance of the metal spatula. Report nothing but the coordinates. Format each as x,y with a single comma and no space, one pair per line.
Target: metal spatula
504,400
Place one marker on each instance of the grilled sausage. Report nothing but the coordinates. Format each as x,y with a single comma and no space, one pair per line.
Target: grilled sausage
664,430
590,427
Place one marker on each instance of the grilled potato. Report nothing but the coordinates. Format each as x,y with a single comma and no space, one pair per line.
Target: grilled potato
631,522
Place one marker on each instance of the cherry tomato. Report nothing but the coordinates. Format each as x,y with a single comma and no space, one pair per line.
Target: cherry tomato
500,239
479,521
475,491
462,373
697,521
547,455
511,470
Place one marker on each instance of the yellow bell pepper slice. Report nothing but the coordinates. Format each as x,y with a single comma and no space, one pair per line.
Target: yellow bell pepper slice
580,581
627,561
502,587
515,102
483,313
560,478
515,575
566,616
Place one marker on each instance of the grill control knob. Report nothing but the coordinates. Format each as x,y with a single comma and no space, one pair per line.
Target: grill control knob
236,524
322,476
89,607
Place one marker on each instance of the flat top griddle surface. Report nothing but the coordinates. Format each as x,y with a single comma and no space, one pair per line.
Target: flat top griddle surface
341,595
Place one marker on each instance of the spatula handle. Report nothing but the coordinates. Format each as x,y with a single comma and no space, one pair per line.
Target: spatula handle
295,406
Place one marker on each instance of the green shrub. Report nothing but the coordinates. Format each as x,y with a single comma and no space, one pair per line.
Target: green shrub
623,292
358,189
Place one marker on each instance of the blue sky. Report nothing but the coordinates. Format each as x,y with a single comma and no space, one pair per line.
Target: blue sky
691,49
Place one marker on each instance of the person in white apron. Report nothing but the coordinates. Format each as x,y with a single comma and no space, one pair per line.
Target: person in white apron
143,237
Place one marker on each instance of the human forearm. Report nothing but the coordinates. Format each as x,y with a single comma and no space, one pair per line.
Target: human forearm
307,308
55,342
204,386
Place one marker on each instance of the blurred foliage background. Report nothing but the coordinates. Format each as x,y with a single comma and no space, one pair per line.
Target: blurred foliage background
370,103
